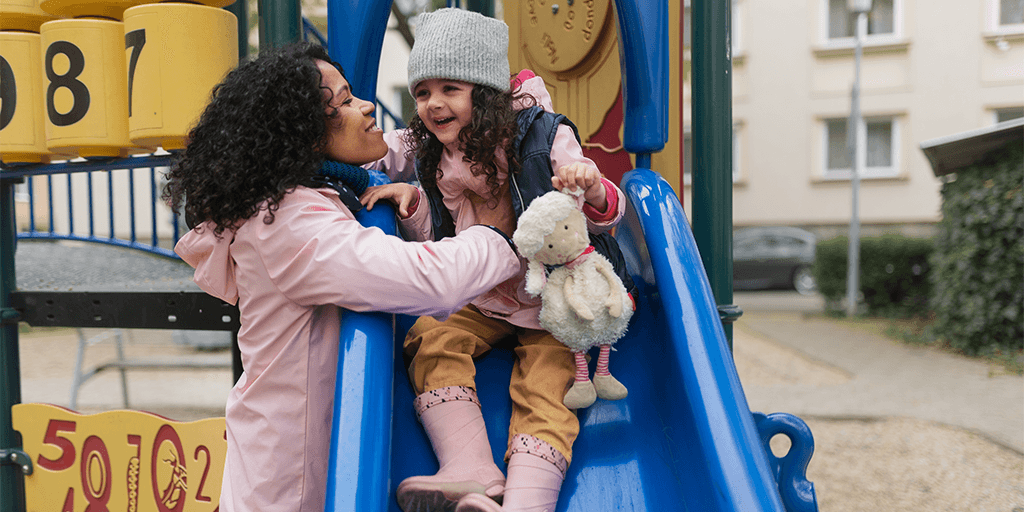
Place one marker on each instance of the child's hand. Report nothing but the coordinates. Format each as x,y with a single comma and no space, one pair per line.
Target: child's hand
578,176
402,195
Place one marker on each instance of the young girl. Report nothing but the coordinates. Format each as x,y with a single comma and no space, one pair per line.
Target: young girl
478,146
278,239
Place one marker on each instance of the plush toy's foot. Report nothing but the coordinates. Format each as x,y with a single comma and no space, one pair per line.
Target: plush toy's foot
609,388
582,394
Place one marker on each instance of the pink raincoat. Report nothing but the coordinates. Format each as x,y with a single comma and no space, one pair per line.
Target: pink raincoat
290,278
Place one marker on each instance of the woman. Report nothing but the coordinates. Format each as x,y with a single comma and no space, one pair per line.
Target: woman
275,237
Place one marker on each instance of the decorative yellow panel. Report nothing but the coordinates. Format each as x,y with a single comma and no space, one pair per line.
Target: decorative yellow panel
120,460
22,15
574,47
85,91
176,54
22,132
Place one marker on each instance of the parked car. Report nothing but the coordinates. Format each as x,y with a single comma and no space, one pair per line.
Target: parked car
773,257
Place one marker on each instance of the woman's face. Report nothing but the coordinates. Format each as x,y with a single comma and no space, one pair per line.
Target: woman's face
353,135
445,107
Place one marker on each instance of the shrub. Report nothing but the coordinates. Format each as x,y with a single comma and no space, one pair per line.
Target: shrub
978,263
893,273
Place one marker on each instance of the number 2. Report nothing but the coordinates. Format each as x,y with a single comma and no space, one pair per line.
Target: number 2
135,40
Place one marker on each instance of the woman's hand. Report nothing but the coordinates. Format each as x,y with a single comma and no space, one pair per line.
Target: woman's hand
402,195
578,176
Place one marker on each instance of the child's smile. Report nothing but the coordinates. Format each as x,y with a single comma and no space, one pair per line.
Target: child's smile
445,107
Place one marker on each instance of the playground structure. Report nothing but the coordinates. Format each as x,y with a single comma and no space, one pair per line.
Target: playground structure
684,439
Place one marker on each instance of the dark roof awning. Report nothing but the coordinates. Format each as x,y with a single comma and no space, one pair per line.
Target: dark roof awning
955,152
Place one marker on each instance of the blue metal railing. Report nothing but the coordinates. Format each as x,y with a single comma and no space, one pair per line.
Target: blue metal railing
120,174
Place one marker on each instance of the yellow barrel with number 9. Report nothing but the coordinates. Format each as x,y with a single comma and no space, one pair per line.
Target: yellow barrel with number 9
176,54
85,97
22,132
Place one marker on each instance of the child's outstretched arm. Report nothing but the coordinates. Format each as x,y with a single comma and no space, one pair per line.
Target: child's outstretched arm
404,196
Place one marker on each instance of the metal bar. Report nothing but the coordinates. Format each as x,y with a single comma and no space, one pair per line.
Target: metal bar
110,200
853,257
10,369
92,211
127,310
31,204
49,199
152,205
712,145
131,203
280,22
71,207
92,165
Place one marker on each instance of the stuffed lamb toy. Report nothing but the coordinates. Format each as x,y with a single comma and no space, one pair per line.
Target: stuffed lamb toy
583,302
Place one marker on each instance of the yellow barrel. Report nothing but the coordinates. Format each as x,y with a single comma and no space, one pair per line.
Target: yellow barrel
113,9
85,94
22,131
22,15
176,54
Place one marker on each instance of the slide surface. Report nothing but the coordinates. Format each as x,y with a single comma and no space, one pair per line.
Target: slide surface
683,440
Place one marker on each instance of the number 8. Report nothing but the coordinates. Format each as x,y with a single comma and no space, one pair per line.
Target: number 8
68,80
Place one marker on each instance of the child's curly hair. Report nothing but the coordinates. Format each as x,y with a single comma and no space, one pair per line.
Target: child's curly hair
261,136
492,126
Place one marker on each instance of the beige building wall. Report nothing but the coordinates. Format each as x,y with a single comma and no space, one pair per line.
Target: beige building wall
945,70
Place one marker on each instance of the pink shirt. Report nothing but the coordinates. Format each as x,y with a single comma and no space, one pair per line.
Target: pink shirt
290,278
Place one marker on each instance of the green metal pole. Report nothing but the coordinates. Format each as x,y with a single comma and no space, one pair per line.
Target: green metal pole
241,11
11,495
712,149
280,22
485,7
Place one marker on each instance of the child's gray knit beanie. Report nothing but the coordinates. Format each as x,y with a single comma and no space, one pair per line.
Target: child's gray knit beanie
456,44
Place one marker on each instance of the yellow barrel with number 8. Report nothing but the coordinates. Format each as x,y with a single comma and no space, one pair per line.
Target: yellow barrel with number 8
176,54
85,97
22,132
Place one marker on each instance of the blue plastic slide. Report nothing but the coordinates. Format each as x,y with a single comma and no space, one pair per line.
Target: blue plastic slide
683,440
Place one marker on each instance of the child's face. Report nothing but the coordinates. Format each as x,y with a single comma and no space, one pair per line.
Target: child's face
445,106
354,137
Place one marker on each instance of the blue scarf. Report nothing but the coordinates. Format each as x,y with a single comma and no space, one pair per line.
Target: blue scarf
350,181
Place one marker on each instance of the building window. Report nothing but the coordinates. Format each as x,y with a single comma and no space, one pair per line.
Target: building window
688,155
1007,114
879,154
1011,12
882,20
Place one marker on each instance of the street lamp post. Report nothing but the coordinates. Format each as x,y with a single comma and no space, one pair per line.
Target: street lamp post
860,8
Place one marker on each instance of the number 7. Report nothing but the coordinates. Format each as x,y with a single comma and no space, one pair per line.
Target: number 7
135,40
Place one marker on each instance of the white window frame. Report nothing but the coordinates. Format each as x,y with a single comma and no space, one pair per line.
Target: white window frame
870,39
891,171
995,25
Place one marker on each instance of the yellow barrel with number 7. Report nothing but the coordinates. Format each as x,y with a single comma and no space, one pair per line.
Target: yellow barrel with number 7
85,96
22,132
176,54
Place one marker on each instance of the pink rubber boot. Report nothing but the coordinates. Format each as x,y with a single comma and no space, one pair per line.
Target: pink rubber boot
451,416
535,474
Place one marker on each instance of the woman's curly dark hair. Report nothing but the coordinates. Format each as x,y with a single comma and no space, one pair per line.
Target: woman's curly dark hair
261,136
493,125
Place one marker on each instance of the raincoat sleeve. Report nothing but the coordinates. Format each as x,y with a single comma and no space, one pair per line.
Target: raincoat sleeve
316,253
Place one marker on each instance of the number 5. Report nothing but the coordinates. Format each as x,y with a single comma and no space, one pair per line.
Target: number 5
67,449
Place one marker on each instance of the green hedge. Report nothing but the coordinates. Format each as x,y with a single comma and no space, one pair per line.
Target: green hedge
978,266
893,274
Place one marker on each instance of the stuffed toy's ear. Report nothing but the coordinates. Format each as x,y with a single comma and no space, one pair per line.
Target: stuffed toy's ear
535,278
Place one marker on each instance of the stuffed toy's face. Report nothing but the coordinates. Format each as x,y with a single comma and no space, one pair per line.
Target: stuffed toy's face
567,241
